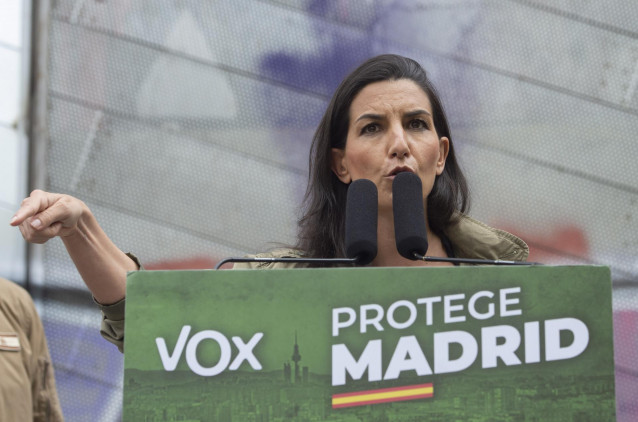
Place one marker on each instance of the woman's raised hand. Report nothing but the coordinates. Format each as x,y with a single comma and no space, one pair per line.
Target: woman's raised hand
103,267
45,215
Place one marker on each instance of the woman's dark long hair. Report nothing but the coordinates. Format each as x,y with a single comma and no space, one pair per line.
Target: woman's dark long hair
322,226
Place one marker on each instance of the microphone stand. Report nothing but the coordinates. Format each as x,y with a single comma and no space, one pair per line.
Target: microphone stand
301,260
419,257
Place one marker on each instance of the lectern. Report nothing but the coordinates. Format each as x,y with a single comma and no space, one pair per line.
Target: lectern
370,344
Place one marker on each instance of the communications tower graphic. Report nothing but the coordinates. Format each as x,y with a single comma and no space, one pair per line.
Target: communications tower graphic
296,357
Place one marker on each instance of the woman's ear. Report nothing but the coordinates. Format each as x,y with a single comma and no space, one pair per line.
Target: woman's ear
338,165
444,149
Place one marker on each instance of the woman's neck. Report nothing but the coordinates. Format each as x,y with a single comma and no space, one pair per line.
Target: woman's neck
387,254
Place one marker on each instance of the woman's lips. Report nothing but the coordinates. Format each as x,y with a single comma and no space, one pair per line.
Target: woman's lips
398,170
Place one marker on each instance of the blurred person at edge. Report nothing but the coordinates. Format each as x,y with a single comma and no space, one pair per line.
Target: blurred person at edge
27,384
384,118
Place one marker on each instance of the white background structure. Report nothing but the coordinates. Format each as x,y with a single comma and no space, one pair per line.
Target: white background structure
185,126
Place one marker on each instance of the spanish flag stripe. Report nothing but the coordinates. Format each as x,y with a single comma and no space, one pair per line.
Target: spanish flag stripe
385,390
363,403
383,395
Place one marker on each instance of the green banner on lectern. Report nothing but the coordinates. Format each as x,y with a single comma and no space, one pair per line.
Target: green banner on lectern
366,344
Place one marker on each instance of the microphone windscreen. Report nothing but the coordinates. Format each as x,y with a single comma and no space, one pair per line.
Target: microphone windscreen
409,216
361,221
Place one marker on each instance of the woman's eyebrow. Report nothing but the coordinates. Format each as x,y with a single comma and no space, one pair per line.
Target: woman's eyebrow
370,116
417,113
373,116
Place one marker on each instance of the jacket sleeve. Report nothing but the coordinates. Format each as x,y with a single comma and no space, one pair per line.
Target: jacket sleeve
112,326
46,405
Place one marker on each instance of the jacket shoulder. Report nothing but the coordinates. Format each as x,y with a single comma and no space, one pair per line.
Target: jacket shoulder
275,253
16,302
474,239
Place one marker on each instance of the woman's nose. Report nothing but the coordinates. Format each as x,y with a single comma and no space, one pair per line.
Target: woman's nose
398,144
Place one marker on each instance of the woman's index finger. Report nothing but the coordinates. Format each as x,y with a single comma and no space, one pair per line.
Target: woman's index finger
28,208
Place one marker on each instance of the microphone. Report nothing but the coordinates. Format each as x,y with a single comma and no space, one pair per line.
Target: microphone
360,230
409,216
361,221
410,224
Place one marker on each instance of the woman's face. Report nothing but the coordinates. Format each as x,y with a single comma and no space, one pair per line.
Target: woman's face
391,130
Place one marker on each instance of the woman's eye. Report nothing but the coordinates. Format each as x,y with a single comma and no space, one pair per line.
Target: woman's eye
417,124
370,128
